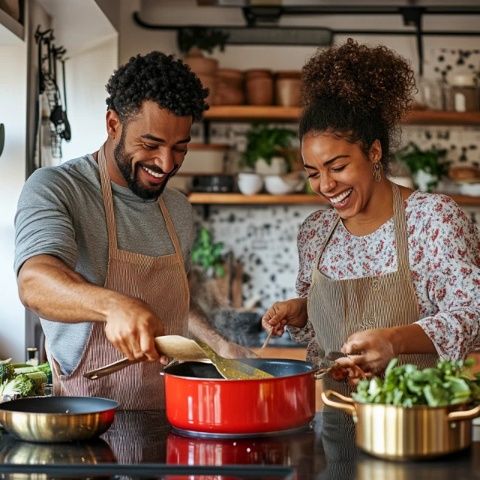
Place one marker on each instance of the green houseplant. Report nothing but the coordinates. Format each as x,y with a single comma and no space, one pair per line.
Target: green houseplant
427,166
203,38
208,254
265,143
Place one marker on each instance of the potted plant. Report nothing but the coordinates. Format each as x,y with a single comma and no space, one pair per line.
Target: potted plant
267,149
192,42
205,39
428,166
208,254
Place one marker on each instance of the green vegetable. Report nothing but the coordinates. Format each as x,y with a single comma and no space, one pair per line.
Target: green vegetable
20,385
7,372
19,379
450,383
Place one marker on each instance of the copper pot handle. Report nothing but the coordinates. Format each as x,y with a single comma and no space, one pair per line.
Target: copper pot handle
464,415
346,407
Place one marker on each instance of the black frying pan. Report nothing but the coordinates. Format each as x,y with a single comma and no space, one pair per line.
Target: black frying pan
57,419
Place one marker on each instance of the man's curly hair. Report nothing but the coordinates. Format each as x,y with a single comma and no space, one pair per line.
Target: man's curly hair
160,78
357,92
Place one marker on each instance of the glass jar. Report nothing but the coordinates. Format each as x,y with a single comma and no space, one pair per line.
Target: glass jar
463,93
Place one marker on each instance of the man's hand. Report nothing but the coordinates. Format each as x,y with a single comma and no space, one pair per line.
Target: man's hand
371,350
131,327
291,312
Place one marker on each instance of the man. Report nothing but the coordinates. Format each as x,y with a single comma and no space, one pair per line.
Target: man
102,245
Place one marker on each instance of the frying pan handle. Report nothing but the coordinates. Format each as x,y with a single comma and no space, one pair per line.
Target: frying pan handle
464,415
346,407
108,369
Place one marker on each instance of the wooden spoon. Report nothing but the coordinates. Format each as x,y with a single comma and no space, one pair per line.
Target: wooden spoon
182,348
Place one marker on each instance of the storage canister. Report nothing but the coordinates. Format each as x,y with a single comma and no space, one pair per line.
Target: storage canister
259,87
288,88
463,94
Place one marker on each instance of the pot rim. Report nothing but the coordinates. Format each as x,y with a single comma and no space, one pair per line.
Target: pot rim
258,380
418,407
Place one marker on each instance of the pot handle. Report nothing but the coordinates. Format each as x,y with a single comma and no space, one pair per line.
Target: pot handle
464,415
346,407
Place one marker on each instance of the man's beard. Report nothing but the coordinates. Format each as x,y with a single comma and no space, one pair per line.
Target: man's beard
124,163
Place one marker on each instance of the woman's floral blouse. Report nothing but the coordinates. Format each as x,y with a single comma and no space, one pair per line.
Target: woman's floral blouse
444,254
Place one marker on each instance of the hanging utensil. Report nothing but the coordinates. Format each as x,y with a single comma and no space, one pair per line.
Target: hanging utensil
182,348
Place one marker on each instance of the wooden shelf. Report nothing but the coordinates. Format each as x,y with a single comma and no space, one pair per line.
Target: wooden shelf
292,114
11,30
294,199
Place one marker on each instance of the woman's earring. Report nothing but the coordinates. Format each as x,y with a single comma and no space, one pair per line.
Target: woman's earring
377,171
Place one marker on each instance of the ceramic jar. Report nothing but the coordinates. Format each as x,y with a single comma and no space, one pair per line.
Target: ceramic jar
229,87
463,94
259,87
288,88
206,70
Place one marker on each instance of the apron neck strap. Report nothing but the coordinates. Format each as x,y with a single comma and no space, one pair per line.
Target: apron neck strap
107,199
400,223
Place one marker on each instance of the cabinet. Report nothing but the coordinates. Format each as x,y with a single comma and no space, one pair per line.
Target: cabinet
247,113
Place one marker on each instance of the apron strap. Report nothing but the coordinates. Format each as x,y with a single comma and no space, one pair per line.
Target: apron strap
324,244
107,200
170,228
401,234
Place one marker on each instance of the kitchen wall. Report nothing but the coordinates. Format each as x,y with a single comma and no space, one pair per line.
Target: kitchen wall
264,237
12,114
91,41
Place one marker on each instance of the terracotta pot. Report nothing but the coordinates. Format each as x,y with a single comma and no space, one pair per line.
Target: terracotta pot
200,64
259,87
288,89
229,89
210,82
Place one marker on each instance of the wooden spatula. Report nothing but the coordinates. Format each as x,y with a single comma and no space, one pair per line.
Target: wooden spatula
182,348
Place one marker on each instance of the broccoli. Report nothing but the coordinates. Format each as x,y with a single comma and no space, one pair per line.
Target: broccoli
7,372
21,385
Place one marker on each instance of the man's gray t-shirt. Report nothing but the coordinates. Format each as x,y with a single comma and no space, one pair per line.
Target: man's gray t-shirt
61,213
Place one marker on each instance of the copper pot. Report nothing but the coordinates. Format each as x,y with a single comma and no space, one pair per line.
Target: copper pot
400,433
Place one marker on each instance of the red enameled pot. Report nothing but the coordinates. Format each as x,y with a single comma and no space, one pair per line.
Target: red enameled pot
197,399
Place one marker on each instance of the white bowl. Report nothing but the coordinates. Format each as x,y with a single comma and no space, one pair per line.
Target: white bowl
283,184
249,183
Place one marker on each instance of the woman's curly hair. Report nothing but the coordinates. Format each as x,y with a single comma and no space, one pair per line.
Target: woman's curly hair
358,92
160,78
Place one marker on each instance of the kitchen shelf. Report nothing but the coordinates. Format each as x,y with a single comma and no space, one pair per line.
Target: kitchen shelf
284,114
294,199
11,30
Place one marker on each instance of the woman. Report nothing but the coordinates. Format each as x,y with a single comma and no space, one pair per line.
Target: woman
387,271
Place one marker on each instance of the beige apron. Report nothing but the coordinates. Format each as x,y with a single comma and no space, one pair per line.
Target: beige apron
339,308
162,283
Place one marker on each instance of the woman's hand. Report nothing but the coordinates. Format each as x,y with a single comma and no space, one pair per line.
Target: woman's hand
291,312
371,350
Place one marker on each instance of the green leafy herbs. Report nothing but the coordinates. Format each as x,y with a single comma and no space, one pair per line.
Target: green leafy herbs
21,380
450,383
208,254
431,161
266,142
203,38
